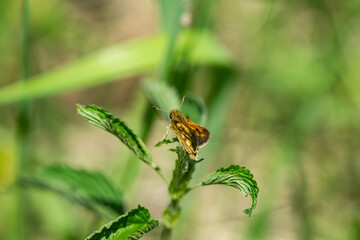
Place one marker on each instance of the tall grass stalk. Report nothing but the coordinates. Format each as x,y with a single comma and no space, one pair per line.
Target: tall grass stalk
171,25
171,13
23,125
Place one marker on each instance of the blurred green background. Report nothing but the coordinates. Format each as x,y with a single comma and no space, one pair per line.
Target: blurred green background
280,80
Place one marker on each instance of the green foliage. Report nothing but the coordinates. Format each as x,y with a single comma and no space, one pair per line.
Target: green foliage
103,119
90,189
237,177
184,168
161,95
170,13
308,76
222,97
95,192
171,214
166,141
117,62
132,225
205,49
182,173
165,97
114,63
195,109
299,88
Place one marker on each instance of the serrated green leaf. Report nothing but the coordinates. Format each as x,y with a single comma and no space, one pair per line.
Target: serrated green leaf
184,168
132,225
166,141
90,189
237,177
103,119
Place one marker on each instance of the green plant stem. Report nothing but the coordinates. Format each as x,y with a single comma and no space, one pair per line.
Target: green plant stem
194,187
166,233
170,217
184,168
132,166
158,170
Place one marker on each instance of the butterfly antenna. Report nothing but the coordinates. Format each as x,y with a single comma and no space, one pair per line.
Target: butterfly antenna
158,109
182,102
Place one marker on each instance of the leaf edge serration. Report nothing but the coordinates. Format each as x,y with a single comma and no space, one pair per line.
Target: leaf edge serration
150,224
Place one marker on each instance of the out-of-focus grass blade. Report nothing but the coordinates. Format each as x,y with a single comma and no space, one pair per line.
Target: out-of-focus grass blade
107,65
166,98
115,63
161,95
170,14
204,49
194,108
219,106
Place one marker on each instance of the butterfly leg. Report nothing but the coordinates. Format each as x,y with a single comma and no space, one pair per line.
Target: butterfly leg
167,131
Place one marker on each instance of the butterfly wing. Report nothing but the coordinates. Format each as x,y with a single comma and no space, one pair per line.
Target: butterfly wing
188,146
200,135
192,137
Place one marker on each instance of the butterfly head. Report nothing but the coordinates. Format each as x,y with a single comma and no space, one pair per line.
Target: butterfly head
174,113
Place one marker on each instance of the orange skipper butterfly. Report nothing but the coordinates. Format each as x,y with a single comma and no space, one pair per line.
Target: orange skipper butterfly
191,135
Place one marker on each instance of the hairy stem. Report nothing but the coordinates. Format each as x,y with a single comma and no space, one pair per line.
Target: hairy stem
170,217
166,233
158,170
178,187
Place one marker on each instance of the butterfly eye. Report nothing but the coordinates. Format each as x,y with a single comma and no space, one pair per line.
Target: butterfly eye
170,115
